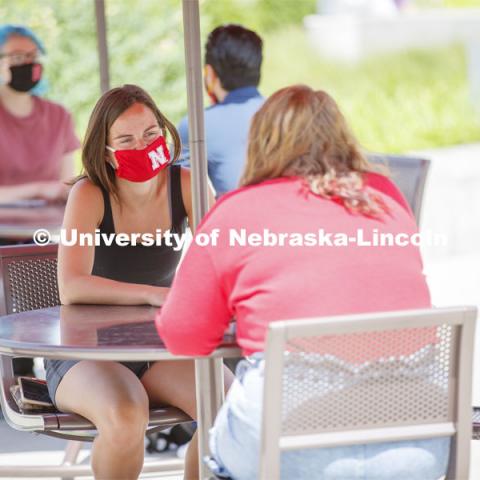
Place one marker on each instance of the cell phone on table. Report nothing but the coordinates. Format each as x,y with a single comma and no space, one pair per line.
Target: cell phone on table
34,391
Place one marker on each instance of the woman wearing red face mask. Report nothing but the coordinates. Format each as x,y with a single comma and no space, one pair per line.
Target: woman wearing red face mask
37,137
130,185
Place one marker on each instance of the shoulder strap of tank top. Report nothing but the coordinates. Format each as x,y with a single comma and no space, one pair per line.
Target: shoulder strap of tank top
179,213
106,225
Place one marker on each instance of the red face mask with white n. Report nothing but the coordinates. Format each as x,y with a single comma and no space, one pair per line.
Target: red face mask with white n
142,165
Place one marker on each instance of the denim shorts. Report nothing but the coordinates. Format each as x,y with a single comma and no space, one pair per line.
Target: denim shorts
237,429
56,370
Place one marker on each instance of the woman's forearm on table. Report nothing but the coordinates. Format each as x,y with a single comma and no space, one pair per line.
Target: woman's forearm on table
12,193
99,290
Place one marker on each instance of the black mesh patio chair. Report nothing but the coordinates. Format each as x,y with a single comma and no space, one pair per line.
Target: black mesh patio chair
409,174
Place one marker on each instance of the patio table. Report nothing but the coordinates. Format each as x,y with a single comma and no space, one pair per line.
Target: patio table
18,221
103,332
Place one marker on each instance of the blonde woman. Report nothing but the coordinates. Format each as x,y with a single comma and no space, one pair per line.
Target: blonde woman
305,173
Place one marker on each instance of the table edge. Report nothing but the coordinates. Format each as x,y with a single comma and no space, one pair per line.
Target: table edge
112,354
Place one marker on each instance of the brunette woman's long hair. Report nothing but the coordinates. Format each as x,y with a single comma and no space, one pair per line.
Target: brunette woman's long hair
301,132
108,108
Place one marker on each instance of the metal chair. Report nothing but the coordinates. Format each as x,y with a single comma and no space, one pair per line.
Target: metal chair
28,281
409,174
411,394
476,423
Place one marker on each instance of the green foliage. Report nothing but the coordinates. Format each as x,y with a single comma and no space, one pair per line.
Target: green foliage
448,3
399,102
146,48
461,3
395,103
259,15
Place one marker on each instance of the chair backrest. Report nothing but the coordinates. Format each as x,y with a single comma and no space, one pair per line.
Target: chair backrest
331,382
28,278
409,174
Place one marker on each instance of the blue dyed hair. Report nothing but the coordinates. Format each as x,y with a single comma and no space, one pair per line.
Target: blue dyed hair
7,30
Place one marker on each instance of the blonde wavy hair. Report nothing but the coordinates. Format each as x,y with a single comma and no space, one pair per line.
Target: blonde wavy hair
301,132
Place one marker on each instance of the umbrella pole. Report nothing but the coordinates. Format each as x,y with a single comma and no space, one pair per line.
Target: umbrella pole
208,372
102,45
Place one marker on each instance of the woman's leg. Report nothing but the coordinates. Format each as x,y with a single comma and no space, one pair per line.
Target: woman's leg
237,426
173,383
111,397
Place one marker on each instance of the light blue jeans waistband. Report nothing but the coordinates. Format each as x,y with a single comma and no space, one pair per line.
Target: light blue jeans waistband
235,438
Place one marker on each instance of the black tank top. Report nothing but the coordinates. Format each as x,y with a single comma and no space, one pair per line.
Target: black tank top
147,265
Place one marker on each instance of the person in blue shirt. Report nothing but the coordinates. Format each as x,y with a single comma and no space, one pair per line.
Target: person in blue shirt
233,59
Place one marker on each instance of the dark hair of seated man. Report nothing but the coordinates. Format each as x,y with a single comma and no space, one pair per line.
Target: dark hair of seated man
235,53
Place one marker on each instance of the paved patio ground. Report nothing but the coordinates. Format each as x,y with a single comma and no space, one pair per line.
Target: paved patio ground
452,207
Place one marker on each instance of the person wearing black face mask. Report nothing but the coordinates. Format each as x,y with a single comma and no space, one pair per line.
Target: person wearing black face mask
25,77
37,137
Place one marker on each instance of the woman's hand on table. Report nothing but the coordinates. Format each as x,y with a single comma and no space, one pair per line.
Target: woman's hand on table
52,191
156,296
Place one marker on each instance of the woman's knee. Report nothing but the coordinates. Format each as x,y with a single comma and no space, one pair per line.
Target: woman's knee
124,420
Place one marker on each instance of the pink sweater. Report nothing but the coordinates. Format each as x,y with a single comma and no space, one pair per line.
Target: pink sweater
259,284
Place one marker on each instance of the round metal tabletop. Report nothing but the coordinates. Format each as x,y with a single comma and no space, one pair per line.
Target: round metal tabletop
91,332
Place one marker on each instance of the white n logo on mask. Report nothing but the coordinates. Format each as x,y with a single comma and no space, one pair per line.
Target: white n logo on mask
157,157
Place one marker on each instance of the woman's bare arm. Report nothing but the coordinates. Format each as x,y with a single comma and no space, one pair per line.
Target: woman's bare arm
84,212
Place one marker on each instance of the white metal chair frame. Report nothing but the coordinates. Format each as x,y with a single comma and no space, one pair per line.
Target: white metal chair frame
458,423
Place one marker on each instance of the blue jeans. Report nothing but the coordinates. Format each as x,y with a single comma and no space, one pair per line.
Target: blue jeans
235,440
